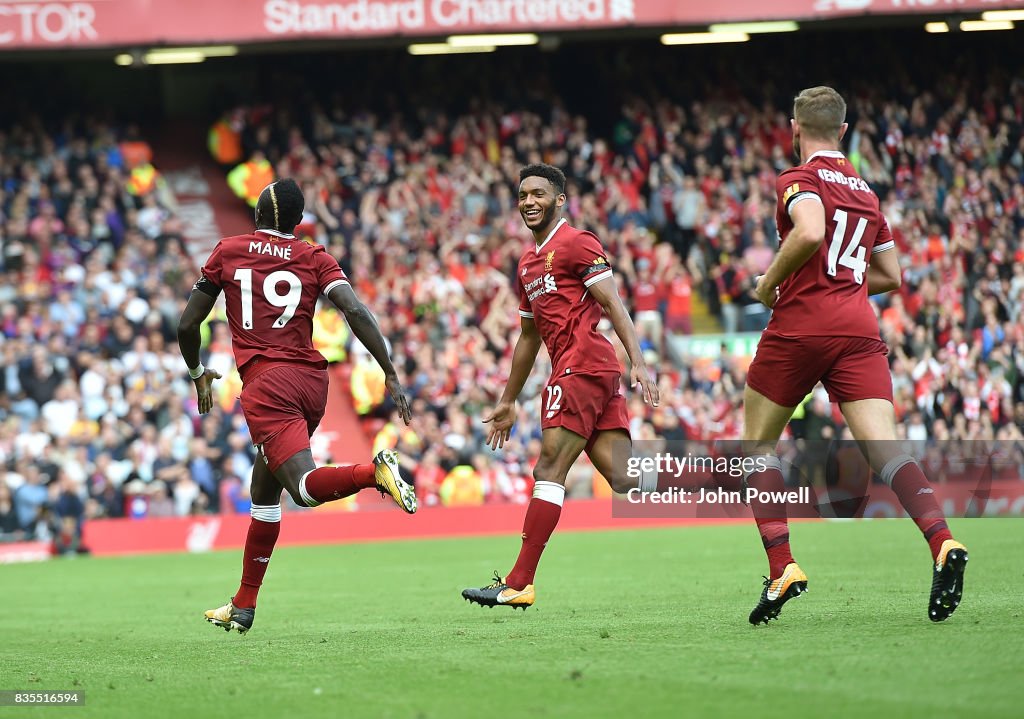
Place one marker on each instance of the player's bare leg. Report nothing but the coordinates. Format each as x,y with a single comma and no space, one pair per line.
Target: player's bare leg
310,485
264,528
609,452
763,424
559,449
873,423
763,421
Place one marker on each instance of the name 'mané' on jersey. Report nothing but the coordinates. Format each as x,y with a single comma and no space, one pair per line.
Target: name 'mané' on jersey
271,283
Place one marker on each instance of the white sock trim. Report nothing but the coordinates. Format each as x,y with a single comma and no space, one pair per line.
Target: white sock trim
893,466
765,461
648,482
550,492
266,512
310,502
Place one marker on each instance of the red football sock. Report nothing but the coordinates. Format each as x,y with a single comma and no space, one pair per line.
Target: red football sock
326,484
541,517
771,517
259,545
916,495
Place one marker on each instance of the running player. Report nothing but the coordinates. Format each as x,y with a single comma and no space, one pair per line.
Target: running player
271,282
565,282
823,329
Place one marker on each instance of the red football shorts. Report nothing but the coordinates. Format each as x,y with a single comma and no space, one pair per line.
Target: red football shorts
785,369
584,404
283,406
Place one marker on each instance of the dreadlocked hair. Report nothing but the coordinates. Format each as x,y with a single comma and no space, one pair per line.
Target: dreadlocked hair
280,206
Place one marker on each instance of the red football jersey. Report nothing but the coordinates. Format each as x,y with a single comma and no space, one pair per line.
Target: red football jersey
828,295
271,284
554,278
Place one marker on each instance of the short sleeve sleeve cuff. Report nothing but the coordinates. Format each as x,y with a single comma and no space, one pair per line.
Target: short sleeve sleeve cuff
331,285
597,277
205,285
800,197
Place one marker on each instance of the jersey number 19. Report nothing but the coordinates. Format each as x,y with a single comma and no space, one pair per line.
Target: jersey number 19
289,301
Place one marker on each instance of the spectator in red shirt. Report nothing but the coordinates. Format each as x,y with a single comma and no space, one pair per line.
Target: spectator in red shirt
678,291
646,296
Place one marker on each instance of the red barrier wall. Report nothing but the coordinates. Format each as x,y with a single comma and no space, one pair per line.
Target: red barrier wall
197,534
1002,498
12,552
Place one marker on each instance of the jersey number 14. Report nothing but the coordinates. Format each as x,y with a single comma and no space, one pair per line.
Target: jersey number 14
852,255
289,301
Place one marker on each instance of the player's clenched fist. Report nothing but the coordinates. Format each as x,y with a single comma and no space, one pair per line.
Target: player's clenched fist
501,421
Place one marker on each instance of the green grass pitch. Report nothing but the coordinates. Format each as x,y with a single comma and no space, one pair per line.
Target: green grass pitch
641,623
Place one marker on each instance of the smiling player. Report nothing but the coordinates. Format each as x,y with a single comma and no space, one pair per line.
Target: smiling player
565,281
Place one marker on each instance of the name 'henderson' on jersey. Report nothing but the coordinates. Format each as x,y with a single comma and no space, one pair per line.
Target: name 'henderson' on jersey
271,283
828,295
554,282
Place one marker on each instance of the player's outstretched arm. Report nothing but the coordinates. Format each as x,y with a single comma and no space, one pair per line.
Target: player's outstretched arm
189,342
503,416
364,327
884,272
803,241
607,294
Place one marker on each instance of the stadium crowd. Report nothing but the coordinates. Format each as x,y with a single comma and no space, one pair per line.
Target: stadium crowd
95,417
98,415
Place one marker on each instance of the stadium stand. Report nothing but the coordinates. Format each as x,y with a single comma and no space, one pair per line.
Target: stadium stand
420,212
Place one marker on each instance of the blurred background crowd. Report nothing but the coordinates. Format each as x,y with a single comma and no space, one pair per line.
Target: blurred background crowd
417,203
